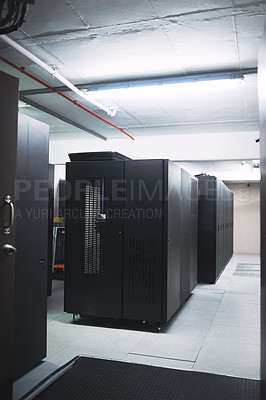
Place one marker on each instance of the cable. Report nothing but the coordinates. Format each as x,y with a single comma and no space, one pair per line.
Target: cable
12,13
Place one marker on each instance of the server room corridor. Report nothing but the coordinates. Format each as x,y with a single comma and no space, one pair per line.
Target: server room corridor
217,331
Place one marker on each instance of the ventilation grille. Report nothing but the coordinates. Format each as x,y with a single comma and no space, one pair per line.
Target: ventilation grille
92,257
247,270
141,274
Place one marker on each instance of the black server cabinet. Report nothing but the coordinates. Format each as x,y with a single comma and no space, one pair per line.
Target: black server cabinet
215,228
94,246
62,198
31,243
151,283
123,239
189,236
50,229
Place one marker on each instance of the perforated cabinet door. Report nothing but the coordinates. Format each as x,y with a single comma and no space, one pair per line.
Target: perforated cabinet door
143,240
94,238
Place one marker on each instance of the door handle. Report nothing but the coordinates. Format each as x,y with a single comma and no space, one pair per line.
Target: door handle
100,222
9,249
8,201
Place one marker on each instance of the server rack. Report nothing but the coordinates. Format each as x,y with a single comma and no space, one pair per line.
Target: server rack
189,236
124,238
31,243
215,229
62,188
50,230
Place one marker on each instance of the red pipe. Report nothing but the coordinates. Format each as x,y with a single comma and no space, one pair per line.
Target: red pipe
75,102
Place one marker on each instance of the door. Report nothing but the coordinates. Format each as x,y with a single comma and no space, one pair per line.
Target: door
144,242
262,106
94,238
8,151
31,244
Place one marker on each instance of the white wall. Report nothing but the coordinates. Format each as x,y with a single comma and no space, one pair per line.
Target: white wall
246,217
208,146
59,173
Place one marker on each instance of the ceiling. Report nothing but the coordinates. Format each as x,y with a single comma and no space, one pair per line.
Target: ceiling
95,42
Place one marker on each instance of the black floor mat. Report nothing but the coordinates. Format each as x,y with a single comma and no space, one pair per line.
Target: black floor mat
97,379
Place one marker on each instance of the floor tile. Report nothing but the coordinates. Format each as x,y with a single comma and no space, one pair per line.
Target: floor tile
247,285
206,296
209,288
226,357
201,305
250,336
240,298
191,328
105,338
237,317
168,346
195,316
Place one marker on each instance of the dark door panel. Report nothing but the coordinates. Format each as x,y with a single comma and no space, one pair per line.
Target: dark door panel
8,151
31,240
143,240
94,233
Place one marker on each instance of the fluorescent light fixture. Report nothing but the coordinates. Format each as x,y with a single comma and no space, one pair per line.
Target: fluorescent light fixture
155,87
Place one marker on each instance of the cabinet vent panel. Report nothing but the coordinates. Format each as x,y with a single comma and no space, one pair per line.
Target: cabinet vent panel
92,247
141,270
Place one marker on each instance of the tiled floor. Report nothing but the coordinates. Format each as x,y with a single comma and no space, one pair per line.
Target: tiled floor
217,330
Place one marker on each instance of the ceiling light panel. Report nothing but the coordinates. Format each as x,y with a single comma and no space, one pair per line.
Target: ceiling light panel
167,103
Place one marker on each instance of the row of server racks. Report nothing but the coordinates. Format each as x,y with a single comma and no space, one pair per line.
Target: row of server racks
131,237
139,236
215,228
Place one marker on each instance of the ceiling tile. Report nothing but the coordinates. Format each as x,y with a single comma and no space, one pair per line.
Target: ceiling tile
219,105
133,54
247,3
249,29
146,110
46,17
169,7
99,13
145,53
205,44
